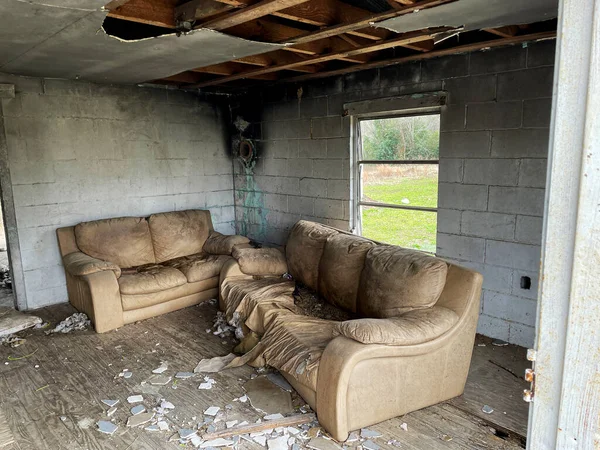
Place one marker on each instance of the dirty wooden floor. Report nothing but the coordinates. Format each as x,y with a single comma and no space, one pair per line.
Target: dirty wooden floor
51,398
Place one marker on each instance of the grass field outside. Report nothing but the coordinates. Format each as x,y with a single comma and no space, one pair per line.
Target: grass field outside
407,228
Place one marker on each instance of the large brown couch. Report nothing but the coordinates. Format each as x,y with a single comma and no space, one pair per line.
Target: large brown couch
408,347
127,269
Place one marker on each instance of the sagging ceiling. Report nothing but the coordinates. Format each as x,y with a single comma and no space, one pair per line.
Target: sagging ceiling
237,43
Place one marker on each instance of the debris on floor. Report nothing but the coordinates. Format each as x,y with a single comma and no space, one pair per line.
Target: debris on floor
75,322
140,419
208,383
268,397
159,380
135,399
215,364
13,321
106,427
111,403
487,409
499,343
162,368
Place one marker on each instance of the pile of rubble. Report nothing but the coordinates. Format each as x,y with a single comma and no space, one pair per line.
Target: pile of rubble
5,279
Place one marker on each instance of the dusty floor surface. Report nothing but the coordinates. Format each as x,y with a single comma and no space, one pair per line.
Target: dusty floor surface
52,387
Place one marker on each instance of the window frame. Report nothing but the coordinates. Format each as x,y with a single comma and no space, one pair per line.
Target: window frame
356,194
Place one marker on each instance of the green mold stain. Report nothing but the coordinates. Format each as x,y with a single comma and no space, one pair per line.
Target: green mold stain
252,200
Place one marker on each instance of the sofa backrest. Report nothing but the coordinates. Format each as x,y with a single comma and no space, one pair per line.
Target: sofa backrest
179,233
304,249
125,241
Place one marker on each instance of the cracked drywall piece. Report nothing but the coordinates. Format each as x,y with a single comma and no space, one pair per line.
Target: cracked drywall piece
267,397
166,405
162,368
159,380
212,411
220,442
184,375
474,15
279,443
275,416
138,409
140,419
186,433
367,434
260,440
320,443
135,399
110,403
106,427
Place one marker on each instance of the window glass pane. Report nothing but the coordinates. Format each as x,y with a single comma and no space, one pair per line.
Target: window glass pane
401,138
407,228
400,184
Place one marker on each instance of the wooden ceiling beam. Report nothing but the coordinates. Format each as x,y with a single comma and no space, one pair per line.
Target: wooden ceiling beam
505,32
433,54
404,39
149,12
252,12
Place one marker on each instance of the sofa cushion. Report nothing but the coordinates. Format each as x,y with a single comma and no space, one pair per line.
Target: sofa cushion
340,268
198,267
179,233
149,279
260,261
220,244
304,249
132,302
396,280
414,327
124,241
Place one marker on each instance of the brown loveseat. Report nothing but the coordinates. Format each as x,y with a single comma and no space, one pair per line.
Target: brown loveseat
127,269
408,347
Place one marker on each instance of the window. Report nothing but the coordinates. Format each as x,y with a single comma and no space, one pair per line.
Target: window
396,171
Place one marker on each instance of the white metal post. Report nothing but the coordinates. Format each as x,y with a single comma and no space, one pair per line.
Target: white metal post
565,412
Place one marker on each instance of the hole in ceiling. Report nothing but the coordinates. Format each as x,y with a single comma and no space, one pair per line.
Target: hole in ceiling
132,31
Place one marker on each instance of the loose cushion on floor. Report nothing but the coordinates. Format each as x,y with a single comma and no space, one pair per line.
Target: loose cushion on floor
260,261
304,249
179,233
78,264
396,280
124,241
150,279
199,267
414,327
220,244
340,268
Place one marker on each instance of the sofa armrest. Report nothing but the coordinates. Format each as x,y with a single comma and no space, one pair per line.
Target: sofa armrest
414,327
220,244
261,261
79,264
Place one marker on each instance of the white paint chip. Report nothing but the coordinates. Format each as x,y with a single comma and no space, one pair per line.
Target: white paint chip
212,411
110,403
135,399
106,427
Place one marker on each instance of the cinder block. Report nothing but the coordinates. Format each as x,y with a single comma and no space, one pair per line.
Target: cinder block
219,198
520,143
510,308
518,291
23,84
47,297
529,230
497,60
278,149
300,167
541,53
335,103
451,170
312,187
326,127
399,75
463,197
500,172
488,225
493,115
493,327
525,84
301,205
328,168
471,89
339,224
460,247
312,148
321,87
45,278
66,87
338,148
24,172
448,221
527,201
453,118
522,335
285,110
465,144
333,209
513,255
361,81
276,167
497,279
313,107
297,129
278,185
276,202
532,172
338,189
273,131
537,112
445,67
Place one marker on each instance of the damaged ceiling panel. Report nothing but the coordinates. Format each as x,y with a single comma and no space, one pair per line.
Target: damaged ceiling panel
70,43
475,15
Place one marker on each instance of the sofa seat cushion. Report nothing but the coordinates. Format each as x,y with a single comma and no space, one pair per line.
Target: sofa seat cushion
340,268
414,327
198,267
294,344
124,241
260,261
397,280
221,244
304,249
252,302
179,293
179,233
150,279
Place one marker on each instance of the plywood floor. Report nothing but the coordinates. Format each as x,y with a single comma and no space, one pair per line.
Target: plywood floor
51,398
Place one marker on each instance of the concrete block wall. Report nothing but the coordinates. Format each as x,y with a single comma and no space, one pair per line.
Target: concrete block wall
493,148
79,151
